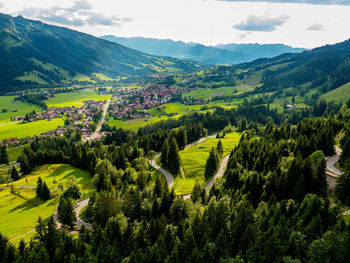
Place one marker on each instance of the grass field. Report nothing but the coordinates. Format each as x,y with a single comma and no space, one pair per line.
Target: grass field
222,91
194,158
59,173
15,152
341,94
137,123
7,103
75,98
20,130
19,213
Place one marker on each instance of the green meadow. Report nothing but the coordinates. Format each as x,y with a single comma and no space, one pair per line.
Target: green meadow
341,94
15,152
20,130
53,174
137,123
222,91
8,105
75,98
19,213
194,159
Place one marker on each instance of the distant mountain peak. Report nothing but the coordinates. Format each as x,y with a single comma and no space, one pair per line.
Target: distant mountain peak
219,54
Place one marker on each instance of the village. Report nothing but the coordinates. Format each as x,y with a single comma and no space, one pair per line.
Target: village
126,104
133,103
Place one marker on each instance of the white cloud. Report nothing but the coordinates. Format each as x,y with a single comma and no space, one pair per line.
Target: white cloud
316,27
263,23
79,14
210,24
1,5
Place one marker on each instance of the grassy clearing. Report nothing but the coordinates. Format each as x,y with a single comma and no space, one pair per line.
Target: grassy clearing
137,123
19,213
7,103
341,94
20,130
75,98
194,158
222,91
15,152
54,174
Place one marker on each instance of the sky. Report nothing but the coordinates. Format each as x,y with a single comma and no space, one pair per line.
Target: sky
298,23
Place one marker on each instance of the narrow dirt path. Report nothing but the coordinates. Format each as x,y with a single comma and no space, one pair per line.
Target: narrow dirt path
22,235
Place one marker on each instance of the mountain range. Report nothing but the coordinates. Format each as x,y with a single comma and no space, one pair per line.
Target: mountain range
323,70
35,53
220,54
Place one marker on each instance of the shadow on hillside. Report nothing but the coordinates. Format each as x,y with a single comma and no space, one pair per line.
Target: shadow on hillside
30,203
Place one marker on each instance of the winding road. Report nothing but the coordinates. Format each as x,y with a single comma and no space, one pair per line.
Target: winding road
332,171
170,179
79,222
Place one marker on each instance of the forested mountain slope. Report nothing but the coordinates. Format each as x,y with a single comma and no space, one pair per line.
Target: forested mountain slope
36,53
310,73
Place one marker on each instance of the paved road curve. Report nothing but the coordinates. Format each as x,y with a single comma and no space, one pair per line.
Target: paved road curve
169,177
332,172
331,160
219,173
79,222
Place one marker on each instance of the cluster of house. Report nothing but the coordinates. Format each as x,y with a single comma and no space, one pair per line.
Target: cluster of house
87,111
134,103
193,101
84,127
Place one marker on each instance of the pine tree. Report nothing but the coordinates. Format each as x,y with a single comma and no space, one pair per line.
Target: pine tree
174,161
165,152
66,213
25,167
212,164
45,192
14,174
181,137
219,148
4,158
39,187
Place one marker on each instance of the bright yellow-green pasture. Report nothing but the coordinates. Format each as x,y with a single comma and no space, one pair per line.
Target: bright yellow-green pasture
54,174
222,91
137,123
9,105
20,130
75,98
19,213
194,159
15,152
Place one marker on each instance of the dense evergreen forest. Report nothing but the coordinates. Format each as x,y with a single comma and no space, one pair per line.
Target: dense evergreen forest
272,204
